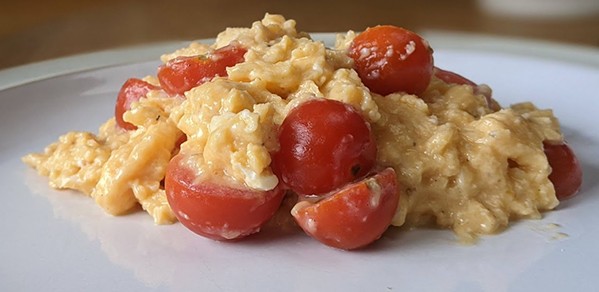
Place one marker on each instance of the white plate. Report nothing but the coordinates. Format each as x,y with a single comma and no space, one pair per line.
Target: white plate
60,241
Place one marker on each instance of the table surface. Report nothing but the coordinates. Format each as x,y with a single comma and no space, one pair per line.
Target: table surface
36,30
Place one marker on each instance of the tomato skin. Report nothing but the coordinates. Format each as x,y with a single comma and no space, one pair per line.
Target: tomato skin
184,73
392,59
215,210
182,139
566,173
454,78
324,144
132,90
353,216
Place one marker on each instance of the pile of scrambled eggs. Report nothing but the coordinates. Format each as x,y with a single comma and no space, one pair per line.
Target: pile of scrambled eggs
460,164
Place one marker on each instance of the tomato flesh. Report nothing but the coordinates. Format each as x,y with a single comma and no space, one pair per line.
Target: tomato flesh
354,216
216,210
184,73
132,90
566,173
392,59
324,144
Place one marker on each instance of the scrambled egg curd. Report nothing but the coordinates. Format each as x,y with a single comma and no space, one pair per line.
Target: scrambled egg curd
460,161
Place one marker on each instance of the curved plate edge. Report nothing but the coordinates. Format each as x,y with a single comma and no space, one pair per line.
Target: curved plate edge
28,73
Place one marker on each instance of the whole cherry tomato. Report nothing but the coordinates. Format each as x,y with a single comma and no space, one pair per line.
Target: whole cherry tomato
324,144
566,173
392,59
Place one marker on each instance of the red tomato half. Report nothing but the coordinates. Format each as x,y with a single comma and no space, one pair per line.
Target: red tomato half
215,210
566,173
184,73
354,216
324,144
454,78
391,59
131,91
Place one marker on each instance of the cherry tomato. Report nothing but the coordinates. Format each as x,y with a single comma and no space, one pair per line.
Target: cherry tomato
454,78
131,91
214,209
566,173
178,143
354,216
184,73
390,59
324,144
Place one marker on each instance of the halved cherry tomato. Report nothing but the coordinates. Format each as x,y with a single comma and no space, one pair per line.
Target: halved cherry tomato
213,209
566,173
390,59
354,216
184,73
132,90
454,78
324,144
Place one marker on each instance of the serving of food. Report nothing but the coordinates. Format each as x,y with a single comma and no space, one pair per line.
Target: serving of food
267,124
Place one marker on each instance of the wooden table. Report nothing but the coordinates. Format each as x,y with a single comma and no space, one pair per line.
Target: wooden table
33,30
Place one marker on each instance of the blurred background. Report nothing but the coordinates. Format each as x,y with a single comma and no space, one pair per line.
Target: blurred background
36,30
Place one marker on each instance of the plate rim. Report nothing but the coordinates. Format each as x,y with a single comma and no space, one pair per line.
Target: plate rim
445,40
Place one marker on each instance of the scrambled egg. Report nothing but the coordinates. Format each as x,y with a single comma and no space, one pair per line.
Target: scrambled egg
460,164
